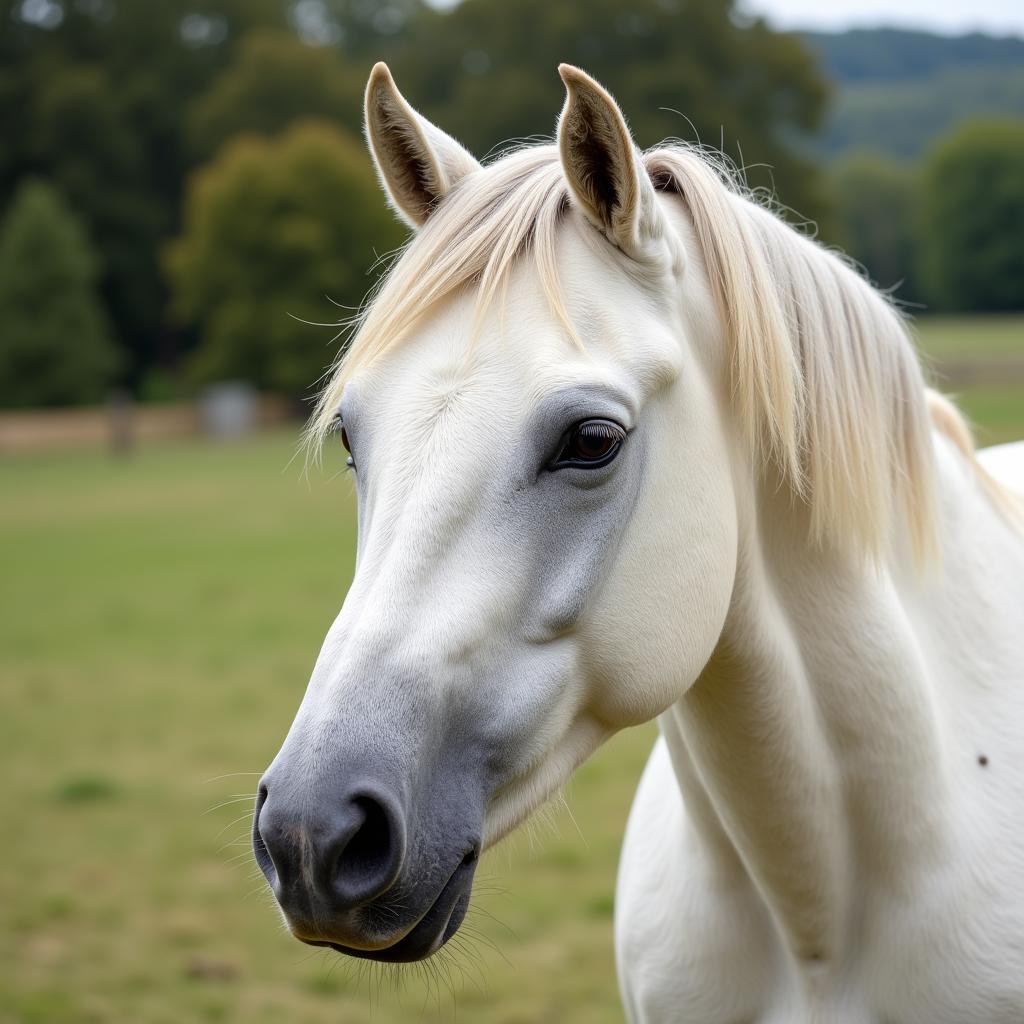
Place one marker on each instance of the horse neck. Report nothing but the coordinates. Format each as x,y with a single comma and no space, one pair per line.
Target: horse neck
808,752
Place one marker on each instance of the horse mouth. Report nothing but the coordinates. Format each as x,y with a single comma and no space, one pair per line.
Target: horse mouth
440,922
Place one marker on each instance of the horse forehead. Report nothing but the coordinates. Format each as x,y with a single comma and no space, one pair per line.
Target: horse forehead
440,397
444,378
458,365
520,350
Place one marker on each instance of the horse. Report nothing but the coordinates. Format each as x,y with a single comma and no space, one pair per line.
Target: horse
629,447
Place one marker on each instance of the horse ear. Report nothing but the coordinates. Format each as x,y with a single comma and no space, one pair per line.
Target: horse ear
418,164
602,165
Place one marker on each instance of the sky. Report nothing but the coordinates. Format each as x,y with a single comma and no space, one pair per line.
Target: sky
997,17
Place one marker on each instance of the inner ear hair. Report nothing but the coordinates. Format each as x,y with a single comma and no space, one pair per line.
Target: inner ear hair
600,159
596,147
418,163
406,152
401,149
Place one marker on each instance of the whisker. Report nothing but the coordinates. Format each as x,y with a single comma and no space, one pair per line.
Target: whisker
229,775
227,803
231,824
568,810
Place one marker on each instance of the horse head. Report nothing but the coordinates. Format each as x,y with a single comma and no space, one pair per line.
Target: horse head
533,410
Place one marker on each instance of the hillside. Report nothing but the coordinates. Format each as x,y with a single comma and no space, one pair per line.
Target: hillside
896,91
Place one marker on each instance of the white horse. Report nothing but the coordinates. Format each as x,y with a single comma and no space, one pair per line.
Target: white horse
628,447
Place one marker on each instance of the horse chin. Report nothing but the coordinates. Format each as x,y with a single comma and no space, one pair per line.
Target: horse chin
426,935
422,942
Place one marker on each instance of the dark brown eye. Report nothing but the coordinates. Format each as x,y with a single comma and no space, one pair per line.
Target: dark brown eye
590,444
340,427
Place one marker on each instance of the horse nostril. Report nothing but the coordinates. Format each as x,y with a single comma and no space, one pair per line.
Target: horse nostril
367,854
259,846
327,856
370,844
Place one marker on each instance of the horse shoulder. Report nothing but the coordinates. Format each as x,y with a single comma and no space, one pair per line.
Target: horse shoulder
1005,462
680,927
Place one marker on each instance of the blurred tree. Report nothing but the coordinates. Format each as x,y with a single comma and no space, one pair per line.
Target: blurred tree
98,96
273,80
272,229
485,71
972,226
361,29
897,54
55,345
875,203
91,95
82,135
904,118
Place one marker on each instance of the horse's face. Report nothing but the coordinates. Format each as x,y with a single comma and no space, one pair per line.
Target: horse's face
547,539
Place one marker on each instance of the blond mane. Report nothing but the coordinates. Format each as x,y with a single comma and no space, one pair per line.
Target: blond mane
825,381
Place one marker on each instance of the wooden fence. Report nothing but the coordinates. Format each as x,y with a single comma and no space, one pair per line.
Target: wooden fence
117,426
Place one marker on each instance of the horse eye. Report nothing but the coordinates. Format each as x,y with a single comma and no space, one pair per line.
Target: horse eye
590,444
338,425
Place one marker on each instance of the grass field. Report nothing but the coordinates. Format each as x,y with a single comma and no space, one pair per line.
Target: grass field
160,616
992,336
991,351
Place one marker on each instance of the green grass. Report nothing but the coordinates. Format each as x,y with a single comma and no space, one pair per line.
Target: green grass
979,361
994,335
160,616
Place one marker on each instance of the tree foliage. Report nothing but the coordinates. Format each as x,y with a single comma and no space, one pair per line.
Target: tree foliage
906,117
972,218
899,91
273,228
55,345
93,96
273,80
896,54
875,202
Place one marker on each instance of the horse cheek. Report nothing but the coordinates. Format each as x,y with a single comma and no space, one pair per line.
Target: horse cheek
650,635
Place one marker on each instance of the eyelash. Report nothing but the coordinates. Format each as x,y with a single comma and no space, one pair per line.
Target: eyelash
594,428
